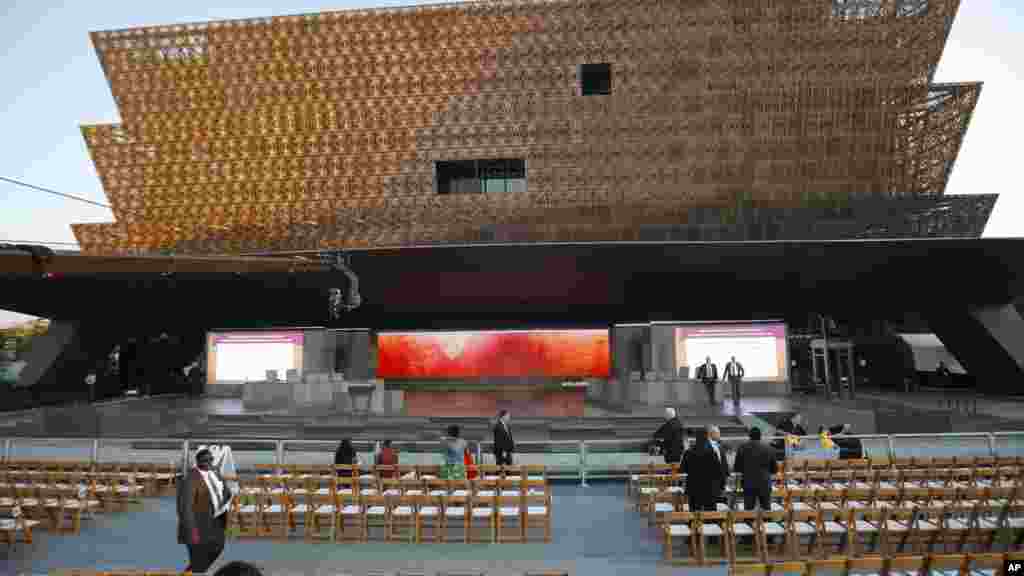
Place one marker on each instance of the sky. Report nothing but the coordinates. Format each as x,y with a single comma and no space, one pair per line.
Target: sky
53,83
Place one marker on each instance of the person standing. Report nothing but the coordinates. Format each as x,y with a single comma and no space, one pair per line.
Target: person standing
454,452
755,461
345,455
387,457
734,374
503,444
203,499
670,436
945,377
721,474
708,374
698,465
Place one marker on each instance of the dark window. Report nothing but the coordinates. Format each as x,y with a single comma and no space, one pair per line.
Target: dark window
595,79
481,176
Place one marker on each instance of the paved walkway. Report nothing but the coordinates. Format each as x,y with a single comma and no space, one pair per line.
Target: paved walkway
594,533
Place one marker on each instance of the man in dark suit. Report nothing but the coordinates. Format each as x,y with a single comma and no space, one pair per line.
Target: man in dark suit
202,500
703,469
721,463
503,444
756,462
734,374
670,436
708,374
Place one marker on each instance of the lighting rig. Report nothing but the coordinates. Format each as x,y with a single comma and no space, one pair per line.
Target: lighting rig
336,300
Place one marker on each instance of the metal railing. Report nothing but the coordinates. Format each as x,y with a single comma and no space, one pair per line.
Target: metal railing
565,459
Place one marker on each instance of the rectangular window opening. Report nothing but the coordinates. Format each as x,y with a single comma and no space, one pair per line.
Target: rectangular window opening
493,176
595,79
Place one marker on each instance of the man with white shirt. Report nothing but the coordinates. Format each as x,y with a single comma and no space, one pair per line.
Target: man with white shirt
708,374
722,474
203,499
734,375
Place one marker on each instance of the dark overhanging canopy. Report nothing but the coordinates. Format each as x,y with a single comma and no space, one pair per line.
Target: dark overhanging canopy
526,284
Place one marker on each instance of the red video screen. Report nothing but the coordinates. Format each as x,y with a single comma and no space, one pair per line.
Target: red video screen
450,355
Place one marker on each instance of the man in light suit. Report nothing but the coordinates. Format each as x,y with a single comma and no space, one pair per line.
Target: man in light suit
503,444
708,374
734,374
202,502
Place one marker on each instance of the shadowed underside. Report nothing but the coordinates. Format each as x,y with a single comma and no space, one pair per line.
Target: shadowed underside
746,118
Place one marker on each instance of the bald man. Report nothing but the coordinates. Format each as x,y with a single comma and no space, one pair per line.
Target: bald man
670,436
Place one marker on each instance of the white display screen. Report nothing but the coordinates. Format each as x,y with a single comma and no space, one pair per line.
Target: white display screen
760,348
234,357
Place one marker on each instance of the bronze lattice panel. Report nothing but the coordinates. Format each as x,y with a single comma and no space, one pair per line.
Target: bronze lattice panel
322,130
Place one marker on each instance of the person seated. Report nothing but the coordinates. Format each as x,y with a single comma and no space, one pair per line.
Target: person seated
849,448
792,425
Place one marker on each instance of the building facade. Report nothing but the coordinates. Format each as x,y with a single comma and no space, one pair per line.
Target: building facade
533,120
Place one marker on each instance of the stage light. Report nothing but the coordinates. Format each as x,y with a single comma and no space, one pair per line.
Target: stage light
336,303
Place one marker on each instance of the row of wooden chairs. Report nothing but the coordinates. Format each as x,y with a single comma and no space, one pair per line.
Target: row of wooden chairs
154,477
668,501
422,471
59,501
647,484
852,532
856,497
952,564
387,486
824,471
340,512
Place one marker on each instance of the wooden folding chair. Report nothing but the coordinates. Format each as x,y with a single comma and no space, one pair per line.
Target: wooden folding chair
275,516
680,525
803,524
483,510
773,525
14,523
930,526
511,510
351,506
324,506
298,499
249,513
376,515
456,513
838,527
899,531
869,532
430,514
402,512
744,530
538,508
712,525
662,504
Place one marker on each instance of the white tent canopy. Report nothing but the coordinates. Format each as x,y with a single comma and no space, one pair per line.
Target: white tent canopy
928,350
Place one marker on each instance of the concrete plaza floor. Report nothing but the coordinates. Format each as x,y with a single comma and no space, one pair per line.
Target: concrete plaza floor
594,532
